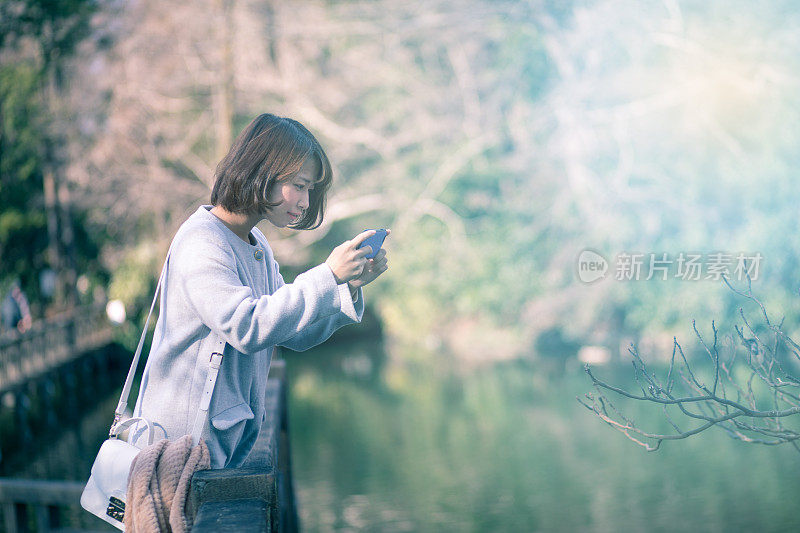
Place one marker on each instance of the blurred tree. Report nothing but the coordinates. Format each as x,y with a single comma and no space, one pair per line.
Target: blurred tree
36,41
23,224
403,118
670,124
497,139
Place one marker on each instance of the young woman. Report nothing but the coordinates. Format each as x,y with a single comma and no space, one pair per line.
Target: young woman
222,284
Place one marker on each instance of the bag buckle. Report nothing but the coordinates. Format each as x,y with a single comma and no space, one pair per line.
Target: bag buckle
116,509
216,360
111,433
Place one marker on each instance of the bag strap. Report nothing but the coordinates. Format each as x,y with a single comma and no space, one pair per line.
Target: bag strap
128,422
126,389
208,389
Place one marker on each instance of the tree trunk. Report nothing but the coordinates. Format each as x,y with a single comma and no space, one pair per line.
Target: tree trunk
223,97
61,240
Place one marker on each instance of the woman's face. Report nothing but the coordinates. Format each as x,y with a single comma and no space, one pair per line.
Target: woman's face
292,195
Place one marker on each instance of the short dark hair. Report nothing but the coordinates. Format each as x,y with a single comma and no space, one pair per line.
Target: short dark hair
269,150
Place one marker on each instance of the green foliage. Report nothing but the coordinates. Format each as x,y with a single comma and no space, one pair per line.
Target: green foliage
613,125
524,53
35,39
23,228
132,280
58,25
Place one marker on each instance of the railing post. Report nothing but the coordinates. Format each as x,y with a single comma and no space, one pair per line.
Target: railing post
42,519
45,498
10,517
262,487
46,391
21,408
50,343
288,508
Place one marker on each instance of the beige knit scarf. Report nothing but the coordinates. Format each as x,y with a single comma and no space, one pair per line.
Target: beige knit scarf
159,483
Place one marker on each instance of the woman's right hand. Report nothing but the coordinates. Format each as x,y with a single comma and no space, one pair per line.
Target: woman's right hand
346,261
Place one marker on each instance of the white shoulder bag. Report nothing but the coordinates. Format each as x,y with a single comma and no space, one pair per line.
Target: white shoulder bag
105,492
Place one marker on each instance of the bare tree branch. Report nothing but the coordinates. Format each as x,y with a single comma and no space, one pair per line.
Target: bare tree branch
766,399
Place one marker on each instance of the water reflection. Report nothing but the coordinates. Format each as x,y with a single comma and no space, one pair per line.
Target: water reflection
399,439
413,442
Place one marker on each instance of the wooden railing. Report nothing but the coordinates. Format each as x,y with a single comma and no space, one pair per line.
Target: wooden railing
258,497
19,496
50,343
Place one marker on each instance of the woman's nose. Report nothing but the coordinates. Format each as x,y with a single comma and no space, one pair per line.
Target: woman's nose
303,203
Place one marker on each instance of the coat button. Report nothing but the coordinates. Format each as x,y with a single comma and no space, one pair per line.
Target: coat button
259,255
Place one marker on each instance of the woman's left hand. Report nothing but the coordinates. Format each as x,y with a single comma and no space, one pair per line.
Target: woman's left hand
374,268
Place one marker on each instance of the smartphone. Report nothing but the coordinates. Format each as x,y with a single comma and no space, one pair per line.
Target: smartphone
376,241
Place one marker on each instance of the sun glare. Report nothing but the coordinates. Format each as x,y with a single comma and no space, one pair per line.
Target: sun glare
714,91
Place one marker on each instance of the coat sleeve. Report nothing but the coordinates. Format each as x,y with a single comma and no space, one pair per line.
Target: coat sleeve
321,329
205,270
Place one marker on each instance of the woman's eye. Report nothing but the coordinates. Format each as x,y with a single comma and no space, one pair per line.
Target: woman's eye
298,187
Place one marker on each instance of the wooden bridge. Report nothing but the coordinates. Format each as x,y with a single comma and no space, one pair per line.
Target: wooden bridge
256,497
51,343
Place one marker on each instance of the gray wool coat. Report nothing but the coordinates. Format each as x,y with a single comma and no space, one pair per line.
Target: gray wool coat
217,286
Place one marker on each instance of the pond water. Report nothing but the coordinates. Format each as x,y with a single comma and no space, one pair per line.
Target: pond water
418,443
406,440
